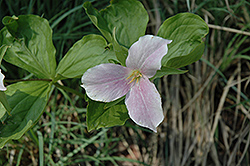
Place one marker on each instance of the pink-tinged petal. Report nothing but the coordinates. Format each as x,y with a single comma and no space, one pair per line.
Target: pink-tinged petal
2,87
144,104
146,54
106,82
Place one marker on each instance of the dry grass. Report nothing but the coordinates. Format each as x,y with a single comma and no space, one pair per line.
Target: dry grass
207,109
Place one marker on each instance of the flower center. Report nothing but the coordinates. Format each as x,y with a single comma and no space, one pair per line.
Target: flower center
135,75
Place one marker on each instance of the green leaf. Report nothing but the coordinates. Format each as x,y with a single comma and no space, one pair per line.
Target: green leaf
167,71
187,31
3,101
29,41
129,17
2,110
120,51
3,50
98,117
193,56
4,107
27,100
12,25
88,52
112,103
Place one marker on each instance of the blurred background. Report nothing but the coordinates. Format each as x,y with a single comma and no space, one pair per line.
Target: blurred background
207,109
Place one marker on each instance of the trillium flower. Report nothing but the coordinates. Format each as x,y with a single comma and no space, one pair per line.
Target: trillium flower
108,82
2,87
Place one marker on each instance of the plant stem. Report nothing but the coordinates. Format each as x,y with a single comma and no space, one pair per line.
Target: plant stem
19,80
69,90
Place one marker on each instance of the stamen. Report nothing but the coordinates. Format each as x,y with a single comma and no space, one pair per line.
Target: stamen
136,76
137,80
130,76
132,80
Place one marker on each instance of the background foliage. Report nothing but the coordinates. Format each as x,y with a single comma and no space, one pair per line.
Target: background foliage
207,108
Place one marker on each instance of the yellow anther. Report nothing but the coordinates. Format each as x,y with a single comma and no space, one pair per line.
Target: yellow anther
132,80
137,80
136,76
130,76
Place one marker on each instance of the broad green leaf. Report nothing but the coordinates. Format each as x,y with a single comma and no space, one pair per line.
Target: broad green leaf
12,25
3,101
29,41
98,116
3,50
129,17
120,51
27,100
187,31
2,110
4,105
88,52
167,71
193,56
112,103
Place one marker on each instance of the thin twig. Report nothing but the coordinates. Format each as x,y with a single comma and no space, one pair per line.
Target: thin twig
219,109
228,29
202,88
245,150
157,16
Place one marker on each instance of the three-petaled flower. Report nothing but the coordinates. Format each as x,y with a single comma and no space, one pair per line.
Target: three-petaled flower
2,87
108,82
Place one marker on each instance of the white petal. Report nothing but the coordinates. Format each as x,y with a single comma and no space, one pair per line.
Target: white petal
106,82
144,104
2,87
146,54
